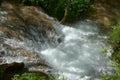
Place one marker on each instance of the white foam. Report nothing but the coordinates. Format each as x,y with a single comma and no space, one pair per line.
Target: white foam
79,56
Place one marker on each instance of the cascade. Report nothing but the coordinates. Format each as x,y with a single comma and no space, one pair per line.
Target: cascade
74,51
79,56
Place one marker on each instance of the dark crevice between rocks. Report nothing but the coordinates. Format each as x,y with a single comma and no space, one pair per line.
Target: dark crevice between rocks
7,71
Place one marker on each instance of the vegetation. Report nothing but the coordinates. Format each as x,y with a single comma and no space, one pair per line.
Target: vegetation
37,76
31,76
114,39
56,8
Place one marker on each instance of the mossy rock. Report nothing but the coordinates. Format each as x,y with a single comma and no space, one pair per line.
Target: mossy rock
32,76
8,71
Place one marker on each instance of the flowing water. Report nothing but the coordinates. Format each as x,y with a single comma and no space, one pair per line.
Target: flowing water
79,56
76,51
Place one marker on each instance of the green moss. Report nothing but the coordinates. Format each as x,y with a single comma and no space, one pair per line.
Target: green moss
32,76
115,35
115,76
114,40
56,8
104,50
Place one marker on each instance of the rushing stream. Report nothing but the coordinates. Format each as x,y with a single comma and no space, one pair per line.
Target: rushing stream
75,52
79,56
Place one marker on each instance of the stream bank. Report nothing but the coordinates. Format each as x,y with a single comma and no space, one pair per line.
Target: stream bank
107,13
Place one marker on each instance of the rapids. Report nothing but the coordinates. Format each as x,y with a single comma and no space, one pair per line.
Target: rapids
79,56
75,51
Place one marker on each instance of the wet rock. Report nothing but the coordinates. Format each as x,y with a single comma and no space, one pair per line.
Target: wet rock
27,55
23,31
1,60
21,27
15,20
2,53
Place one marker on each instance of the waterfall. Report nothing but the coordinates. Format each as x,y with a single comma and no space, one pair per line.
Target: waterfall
79,56
74,51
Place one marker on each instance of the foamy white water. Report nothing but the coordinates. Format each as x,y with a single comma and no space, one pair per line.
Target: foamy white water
79,56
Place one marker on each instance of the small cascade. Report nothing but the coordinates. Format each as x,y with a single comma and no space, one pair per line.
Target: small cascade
21,41
79,56
74,51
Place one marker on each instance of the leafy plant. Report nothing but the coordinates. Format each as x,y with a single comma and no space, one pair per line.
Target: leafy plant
56,8
114,39
104,50
115,36
31,76
115,76
79,8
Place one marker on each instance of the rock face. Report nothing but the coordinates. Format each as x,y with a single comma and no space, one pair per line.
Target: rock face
24,31
107,13
20,25
18,19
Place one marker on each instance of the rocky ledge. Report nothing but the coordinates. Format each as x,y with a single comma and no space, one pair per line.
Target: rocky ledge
24,31
7,71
